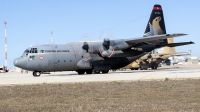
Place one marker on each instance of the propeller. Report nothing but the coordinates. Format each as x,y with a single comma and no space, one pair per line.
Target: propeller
106,43
85,46
86,54
106,50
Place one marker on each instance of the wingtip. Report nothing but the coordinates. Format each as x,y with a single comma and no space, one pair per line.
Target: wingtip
184,34
192,42
181,34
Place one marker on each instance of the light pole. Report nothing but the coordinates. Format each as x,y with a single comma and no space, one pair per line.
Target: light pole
6,62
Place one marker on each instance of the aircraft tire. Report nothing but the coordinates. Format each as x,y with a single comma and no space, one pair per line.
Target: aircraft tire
36,74
105,71
136,68
153,67
89,71
81,72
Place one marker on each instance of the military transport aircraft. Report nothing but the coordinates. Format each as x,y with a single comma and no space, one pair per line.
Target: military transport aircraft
91,57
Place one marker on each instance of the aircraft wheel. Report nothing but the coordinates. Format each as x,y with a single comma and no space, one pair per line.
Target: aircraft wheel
36,74
105,71
81,72
132,68
89,71
152,67
136,68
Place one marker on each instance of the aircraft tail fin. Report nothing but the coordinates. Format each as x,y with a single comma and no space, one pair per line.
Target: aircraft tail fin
189,53
169,49
156,23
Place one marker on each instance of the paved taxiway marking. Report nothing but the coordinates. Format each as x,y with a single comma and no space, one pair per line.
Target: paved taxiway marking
188,71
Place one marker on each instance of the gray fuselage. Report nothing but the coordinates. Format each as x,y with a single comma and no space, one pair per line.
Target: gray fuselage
71,57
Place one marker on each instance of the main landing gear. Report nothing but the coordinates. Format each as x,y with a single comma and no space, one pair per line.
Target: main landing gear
154,67
81,72
36,74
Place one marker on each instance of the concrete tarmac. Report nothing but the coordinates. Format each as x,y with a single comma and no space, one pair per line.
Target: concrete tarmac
171,72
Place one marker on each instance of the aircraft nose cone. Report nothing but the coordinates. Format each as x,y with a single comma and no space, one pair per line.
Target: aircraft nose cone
15,62
20,62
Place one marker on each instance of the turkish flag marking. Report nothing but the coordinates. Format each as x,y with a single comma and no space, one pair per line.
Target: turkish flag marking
41,57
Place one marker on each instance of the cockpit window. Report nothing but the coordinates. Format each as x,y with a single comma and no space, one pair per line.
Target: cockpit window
26,51
33,50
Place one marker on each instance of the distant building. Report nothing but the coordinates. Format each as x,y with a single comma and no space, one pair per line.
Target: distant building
193,60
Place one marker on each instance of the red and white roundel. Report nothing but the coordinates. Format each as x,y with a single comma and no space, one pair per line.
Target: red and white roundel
41,57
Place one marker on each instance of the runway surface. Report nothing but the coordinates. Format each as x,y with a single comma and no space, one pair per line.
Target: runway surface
171,72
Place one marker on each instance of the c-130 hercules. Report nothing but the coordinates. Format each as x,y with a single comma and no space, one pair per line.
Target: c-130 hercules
91,57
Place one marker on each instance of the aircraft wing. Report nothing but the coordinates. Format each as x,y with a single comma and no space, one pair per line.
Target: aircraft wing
179,54
150,39
107,47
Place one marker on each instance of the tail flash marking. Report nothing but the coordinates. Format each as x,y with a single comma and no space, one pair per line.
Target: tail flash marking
157,8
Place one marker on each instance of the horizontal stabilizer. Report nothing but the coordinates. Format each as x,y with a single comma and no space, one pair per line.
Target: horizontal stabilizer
173,54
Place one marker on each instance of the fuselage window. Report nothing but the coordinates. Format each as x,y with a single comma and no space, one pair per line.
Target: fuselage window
41,51
32,57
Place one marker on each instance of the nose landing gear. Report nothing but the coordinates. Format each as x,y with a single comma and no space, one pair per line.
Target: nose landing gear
36,74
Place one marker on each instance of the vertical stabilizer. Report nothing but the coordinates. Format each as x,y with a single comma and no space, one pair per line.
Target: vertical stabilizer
156,23
169,49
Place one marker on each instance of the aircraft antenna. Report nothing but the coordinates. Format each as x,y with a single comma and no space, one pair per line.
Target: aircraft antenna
6,62
51,37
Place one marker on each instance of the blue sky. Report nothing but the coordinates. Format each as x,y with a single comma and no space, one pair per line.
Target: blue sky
30,21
